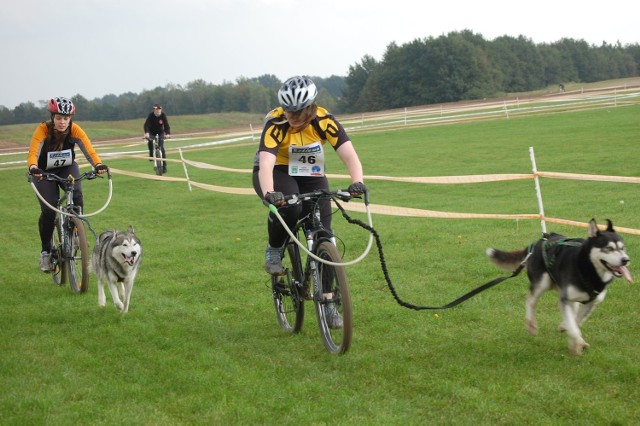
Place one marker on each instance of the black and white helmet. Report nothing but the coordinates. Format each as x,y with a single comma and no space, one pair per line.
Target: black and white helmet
297,93
61,106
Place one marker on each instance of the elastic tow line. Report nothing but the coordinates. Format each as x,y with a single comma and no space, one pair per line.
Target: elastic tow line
419,307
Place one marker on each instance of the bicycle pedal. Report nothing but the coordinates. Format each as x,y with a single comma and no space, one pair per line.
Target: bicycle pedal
307,294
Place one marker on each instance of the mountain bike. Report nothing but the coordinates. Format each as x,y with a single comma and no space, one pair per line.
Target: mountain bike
70,255
320,278
158,163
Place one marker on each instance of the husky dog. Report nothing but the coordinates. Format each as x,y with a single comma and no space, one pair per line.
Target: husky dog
115,259
580,270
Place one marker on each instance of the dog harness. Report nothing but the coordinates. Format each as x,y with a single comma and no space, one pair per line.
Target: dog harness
549,255
550,250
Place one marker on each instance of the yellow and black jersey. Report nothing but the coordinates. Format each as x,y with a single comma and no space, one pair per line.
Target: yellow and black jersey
39,152
277,135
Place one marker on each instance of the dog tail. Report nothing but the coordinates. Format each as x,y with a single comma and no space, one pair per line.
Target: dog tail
509,261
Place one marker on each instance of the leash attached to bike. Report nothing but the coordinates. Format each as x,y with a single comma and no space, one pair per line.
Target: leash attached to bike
82,217
397,298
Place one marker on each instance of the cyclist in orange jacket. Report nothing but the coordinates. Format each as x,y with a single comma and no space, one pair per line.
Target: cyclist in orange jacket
52,150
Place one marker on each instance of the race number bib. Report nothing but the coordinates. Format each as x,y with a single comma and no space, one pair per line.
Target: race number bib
57,159
307,160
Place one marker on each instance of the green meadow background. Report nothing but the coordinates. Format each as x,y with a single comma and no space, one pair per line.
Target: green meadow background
201,344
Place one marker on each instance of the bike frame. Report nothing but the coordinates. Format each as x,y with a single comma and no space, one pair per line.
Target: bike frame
70,237
158,158
323,269
344,195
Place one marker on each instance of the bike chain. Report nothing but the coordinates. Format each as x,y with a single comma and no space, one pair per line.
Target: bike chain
392,287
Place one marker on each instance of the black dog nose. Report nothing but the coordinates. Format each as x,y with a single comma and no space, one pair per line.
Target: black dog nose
625,260
134,253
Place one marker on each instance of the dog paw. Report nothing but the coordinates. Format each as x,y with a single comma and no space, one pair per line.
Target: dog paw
532,328
562,328
578,347
120,306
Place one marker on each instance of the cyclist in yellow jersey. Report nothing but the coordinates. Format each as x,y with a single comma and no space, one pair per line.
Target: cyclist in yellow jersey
52,149
291,159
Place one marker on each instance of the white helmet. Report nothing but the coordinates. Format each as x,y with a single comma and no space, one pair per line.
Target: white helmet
297,93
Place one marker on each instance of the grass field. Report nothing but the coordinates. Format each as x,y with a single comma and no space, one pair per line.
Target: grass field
201,344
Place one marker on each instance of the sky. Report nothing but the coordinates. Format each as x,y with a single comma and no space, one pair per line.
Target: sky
96,48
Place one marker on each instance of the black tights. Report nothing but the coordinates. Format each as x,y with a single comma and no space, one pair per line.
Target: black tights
292,185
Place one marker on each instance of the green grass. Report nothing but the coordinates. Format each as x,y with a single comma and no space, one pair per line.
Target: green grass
201,344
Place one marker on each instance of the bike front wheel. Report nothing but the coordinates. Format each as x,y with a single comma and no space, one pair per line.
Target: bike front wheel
288,297
78,263
157,162
333,301
58,265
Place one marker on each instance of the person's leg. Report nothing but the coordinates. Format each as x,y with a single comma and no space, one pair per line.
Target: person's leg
46,221
78,197
164,154
286,184
308,184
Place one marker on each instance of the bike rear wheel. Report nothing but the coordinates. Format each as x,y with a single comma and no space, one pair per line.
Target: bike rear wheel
334,301
157,162
58,265
78,263
288,297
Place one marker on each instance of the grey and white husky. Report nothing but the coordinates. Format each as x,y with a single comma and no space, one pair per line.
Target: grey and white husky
115,260
580,270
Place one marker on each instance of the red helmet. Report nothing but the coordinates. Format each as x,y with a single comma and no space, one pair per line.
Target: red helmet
61,106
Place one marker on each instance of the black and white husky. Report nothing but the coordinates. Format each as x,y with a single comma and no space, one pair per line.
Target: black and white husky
580,270
115,260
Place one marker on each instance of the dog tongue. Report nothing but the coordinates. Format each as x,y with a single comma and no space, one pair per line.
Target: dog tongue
624,271
129,260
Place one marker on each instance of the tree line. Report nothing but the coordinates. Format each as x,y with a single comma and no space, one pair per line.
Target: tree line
456,66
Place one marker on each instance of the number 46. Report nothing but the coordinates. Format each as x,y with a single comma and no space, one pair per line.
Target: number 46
311,159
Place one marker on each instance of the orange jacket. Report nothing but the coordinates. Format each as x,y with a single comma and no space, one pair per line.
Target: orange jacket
38,152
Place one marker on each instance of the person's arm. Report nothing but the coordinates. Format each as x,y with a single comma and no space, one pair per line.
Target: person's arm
85,145
349,157
167,128
37,139
146,126
265,174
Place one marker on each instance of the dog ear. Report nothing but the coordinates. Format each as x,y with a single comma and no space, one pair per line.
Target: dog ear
610,226
131,229
593,228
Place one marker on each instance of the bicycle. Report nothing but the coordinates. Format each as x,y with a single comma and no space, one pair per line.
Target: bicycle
158,164
323,278
70,254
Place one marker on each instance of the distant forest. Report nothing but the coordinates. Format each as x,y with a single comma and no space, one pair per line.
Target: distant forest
457,66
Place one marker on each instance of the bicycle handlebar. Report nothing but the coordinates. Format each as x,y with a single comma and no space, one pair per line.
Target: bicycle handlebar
90,175
342,194
67,181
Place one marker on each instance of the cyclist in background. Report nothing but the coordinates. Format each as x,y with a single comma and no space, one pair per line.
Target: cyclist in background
157,124
291,159
52,150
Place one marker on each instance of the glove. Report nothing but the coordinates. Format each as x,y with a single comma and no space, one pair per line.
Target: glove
357,188
34,171
101,168
275,198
